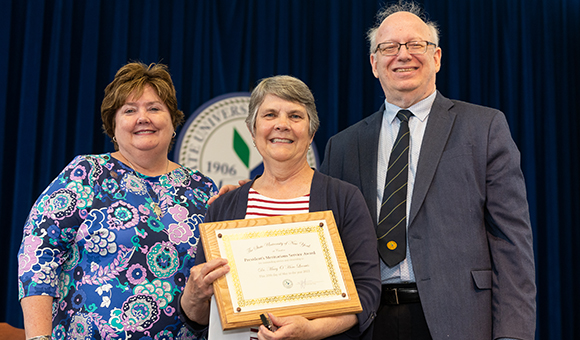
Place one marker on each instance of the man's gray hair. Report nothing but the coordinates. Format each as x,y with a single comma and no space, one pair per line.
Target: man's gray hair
401,6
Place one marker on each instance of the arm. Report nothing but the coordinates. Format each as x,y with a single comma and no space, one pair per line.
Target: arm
45,247
510,237
37,311
359,240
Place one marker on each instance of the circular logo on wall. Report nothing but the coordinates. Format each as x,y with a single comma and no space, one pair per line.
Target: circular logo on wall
216,141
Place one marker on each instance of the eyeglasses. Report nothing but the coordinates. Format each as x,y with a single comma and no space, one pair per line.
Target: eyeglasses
413,47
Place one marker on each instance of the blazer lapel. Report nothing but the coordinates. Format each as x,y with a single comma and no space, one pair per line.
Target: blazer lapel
436,134
368,144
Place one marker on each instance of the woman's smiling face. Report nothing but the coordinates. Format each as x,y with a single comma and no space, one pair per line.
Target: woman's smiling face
143,123
282,130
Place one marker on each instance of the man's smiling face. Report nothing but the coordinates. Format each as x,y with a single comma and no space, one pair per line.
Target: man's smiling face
406,78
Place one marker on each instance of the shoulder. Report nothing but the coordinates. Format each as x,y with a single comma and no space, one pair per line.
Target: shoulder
473,118
467,108
362,125
466,116
91,160
463,109
344,199
321,181
332,189
228,198
196,176
89,167
363,135
227,206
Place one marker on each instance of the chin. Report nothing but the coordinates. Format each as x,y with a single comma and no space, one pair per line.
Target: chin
150,147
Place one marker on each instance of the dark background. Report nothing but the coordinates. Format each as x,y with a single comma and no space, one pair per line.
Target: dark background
519,56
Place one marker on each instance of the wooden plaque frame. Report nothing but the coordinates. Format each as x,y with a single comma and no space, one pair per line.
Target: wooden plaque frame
230,319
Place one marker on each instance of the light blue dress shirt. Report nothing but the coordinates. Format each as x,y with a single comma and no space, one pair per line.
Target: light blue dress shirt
403,272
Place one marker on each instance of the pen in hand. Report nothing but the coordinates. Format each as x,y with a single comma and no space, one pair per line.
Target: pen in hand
267,322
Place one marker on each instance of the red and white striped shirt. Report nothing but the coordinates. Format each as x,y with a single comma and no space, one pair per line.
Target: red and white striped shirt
262,206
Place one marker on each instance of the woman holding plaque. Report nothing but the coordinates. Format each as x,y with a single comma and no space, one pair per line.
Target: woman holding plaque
282,120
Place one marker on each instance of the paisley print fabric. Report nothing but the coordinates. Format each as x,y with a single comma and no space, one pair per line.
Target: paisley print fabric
115,270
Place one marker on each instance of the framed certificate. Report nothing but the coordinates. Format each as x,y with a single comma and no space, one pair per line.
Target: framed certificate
285,265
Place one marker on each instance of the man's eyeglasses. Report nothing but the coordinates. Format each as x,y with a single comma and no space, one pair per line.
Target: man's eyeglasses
413,47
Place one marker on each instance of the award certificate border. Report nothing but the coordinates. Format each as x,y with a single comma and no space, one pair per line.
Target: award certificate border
231,318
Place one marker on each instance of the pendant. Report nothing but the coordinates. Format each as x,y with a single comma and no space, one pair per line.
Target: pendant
157,210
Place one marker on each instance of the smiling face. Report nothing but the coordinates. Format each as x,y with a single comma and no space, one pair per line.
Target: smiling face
282,130
406,79
143,124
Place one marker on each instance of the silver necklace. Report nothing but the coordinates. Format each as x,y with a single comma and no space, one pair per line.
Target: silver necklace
156,208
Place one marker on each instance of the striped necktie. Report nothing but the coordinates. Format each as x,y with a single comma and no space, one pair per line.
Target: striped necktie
392,227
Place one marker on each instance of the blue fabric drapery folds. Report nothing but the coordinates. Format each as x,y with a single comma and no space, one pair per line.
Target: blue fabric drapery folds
515,55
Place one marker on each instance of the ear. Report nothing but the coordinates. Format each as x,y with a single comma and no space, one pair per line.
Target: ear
437,58
374,61
251,133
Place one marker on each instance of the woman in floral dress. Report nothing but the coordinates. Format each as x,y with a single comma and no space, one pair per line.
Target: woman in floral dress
108,245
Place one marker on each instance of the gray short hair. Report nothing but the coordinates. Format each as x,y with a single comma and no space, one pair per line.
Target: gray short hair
288,88
401,6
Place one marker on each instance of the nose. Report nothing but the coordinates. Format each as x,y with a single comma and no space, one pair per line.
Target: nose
404,53
282,123
143,117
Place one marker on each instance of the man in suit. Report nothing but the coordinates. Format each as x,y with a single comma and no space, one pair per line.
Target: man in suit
468,268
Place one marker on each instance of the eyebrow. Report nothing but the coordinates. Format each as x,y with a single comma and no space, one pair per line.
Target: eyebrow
147,103
292,111
298,111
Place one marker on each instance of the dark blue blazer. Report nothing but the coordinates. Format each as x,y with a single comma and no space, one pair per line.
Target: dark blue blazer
469,229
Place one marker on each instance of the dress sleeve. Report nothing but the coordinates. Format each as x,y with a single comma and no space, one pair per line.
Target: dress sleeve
50,229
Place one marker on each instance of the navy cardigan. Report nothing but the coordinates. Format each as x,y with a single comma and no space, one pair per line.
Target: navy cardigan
356,229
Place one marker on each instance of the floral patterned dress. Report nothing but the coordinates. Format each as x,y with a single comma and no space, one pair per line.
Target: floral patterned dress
115,269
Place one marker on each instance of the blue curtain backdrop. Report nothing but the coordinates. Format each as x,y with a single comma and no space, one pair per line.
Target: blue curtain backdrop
515,55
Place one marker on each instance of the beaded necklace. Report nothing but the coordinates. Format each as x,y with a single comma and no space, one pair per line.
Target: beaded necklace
156,208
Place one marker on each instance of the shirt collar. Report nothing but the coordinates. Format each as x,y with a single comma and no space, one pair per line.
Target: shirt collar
420,110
